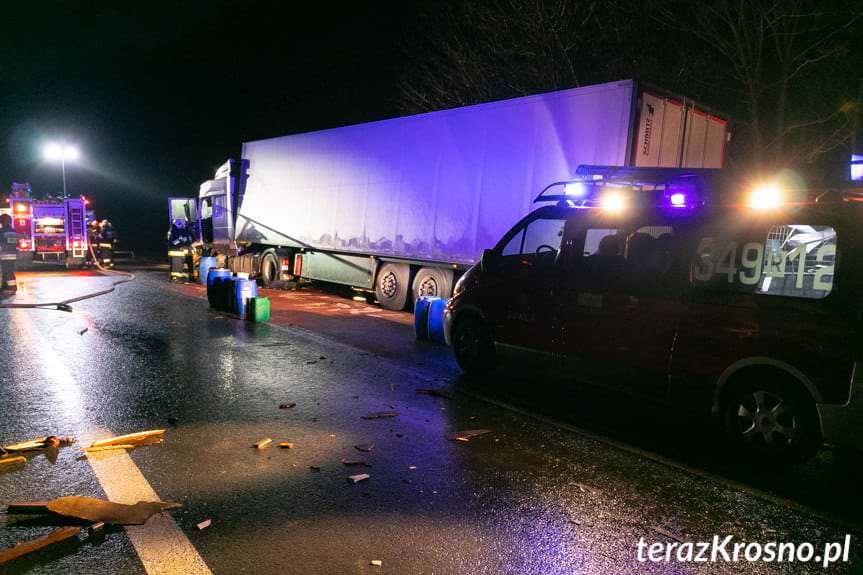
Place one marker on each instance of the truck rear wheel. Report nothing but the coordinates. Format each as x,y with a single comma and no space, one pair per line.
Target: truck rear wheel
269,269
391,287
432,282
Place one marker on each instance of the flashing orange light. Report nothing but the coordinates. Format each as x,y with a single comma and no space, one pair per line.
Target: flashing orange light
20,207
765,196
612,201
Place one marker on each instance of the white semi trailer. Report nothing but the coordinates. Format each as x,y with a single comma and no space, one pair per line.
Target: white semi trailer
400,207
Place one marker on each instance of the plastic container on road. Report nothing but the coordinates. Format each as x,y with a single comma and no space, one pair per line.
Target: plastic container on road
259,309
206,263
217,293
243,291
421,314
435,320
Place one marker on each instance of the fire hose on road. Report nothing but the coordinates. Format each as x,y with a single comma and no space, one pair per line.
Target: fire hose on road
64,305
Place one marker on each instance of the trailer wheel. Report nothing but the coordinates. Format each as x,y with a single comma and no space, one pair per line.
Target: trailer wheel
269,269
432,282
391,287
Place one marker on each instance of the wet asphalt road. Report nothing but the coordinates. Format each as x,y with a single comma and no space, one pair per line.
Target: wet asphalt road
531,497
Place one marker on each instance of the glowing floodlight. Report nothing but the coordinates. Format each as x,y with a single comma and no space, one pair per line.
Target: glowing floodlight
612,201
575,189
765,196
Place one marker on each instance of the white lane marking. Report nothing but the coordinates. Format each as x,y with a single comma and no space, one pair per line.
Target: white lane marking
161,545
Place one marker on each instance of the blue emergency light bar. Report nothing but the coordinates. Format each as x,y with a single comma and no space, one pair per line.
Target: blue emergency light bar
678,189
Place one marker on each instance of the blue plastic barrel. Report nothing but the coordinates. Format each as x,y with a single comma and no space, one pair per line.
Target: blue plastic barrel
435,320
244,290
421,315
204,266
217,293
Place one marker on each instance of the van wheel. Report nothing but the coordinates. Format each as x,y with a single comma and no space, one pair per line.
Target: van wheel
269,269
391,287
772,423
473,346
432,282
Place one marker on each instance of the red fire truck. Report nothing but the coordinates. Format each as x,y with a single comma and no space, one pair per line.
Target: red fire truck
53,230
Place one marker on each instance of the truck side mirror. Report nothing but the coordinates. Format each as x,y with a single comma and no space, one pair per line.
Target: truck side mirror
489,260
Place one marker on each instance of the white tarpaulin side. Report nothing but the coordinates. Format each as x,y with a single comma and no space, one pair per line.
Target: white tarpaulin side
440,186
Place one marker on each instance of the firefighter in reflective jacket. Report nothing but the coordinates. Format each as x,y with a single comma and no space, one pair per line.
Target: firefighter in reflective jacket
8,254
179,243
105,239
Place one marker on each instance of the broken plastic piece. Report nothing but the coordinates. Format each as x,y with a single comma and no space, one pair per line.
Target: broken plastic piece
467,434
366,447
129,438
263,443
204,524
13,460
381,415
286,445
358,478
26,547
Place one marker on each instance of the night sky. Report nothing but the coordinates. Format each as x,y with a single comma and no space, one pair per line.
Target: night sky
158,94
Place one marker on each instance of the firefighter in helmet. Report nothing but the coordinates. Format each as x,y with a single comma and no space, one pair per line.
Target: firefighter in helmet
8,255
93,237
106,239
179,250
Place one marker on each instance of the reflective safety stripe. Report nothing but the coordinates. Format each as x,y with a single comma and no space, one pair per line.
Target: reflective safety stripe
175,253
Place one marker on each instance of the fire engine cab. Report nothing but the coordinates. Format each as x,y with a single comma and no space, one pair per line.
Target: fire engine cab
52,230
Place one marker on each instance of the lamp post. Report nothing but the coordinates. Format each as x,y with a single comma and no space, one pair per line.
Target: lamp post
62,152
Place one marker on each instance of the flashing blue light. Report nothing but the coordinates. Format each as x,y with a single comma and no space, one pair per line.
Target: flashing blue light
857,168
575,189
678,200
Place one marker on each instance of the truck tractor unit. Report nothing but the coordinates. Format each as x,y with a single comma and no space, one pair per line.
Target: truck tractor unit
402,207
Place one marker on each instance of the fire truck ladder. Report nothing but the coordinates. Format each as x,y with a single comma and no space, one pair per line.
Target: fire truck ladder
77,235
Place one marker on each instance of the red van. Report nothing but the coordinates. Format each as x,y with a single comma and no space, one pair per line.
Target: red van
744,302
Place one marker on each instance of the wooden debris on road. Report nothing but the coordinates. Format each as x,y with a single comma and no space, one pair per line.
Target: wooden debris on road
435,393
365,447
27,547
381,415
358,478
376,563
286,445
36,444
263,443
355,461
95,510
467,434
13,460
204,524
139,438
108,448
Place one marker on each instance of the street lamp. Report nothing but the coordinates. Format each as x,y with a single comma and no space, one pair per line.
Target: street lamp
62,152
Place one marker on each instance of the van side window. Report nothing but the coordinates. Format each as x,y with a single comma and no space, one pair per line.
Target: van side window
538,241
792,260
650,258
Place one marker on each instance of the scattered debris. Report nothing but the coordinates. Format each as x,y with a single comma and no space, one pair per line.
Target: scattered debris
131,438
108,447
204,524
412,466
38,443
27,547
366,447
263,443
322,357
467,434
12,460
376,563
286,445
400,435
287,405
314,361
435,393
314,468
358,478
357,461
83,331
96,510
381,415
